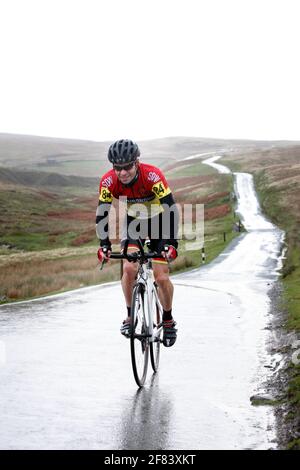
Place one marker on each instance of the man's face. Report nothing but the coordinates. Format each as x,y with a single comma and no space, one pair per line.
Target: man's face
126,172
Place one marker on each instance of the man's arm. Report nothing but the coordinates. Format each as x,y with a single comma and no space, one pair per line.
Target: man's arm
102,225
104,205
170,218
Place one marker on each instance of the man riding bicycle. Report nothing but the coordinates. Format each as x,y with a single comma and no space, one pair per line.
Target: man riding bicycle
151,213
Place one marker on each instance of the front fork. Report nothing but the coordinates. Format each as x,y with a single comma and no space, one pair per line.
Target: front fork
152,300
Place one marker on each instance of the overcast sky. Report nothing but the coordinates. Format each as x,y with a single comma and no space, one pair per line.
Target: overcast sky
109,69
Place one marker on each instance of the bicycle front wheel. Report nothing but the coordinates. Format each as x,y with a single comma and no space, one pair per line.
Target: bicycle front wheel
139,338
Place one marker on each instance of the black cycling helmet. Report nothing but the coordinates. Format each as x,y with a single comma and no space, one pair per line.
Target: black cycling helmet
123,151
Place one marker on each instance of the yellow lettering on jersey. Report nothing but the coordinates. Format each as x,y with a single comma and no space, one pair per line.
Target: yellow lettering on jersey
160,190
105,195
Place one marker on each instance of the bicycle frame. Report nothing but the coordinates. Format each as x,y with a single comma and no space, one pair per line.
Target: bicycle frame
146,278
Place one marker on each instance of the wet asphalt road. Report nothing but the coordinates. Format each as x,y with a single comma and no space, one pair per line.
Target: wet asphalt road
66,380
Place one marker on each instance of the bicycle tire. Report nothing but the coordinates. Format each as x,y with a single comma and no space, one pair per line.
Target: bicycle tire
139,339
155,346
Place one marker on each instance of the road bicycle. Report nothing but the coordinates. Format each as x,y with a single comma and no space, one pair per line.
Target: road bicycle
145,331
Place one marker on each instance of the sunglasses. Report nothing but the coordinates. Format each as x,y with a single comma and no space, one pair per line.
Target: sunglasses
124,167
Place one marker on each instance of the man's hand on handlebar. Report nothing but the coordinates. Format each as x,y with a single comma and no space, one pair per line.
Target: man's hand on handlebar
169,253
104,253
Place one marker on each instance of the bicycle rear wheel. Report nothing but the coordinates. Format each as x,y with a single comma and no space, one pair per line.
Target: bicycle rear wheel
139,339
157,330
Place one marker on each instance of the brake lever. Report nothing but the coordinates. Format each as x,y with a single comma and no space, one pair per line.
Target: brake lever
102,265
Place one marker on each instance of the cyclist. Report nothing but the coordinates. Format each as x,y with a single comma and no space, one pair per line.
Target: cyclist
151,212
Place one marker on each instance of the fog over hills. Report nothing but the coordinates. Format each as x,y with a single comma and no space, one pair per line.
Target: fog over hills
89,158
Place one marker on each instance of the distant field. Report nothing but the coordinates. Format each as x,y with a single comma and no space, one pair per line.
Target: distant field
89,158
34,219
39,179
190,169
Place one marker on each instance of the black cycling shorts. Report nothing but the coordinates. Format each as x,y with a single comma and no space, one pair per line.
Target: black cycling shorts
151,229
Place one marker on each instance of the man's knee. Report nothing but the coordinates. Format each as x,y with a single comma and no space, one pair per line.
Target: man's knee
130,269
162,278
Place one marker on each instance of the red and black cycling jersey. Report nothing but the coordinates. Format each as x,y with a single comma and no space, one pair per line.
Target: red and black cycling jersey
148,191
144,198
